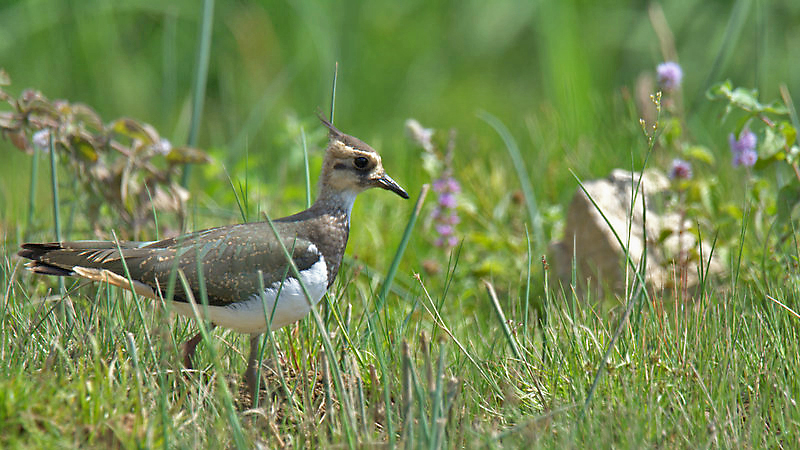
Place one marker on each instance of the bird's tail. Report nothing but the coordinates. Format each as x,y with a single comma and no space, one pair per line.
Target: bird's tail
92,260
60,258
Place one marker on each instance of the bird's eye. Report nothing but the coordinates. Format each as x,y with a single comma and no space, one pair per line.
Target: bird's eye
361,162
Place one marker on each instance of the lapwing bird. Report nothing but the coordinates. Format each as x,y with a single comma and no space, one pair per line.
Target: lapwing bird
235,259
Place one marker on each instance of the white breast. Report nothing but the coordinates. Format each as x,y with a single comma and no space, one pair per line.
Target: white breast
249,316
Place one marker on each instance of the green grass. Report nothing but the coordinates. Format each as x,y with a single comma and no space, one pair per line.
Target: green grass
480,347
715,372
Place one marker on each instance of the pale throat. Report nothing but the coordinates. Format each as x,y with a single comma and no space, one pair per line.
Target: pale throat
340,200
347,199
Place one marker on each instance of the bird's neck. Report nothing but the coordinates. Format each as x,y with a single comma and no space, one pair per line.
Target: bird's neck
335,201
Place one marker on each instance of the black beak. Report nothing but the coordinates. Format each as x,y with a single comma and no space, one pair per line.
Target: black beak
386,182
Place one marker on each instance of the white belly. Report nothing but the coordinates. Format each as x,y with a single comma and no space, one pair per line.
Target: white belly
249,316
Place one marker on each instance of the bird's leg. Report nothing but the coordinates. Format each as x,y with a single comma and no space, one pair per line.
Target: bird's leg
251,373
190,346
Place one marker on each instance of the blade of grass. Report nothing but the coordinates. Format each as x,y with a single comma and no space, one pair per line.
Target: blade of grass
783,305
333,88
32,191
385,380
305,164
528,281
169,63
54,189
401,248
153,207
236,196
200,79
522,174
512,342
437,400
742,234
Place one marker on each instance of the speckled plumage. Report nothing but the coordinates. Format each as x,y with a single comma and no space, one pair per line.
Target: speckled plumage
230,257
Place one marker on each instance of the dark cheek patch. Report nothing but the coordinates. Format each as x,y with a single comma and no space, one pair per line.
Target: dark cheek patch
339,166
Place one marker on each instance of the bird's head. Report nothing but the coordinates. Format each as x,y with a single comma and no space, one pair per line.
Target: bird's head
351,166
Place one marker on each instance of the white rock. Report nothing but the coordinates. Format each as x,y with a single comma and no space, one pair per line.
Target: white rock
601,259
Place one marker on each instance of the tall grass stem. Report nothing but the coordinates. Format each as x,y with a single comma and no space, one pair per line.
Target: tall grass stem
333,89
401,248
522,174
200,78
305,165
32,193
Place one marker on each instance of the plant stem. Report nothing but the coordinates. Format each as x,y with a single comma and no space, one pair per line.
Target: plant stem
200,79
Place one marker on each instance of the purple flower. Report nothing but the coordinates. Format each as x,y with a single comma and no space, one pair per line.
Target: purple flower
444,215
680,170
746,158
453,185
440,185
669,75
447,200
747,141
744,148
453,219
451,241
444,229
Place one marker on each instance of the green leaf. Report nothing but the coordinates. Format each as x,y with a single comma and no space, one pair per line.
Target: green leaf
772,143
672,131
83,146
788,131
794,155
719,90
766,161
488,267
775,108
744,99
733,210
699,153
187,155
135,130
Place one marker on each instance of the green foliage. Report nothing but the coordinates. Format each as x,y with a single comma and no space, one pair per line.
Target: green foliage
743,99
126,165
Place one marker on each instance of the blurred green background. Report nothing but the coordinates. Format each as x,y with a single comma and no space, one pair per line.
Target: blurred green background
559,74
